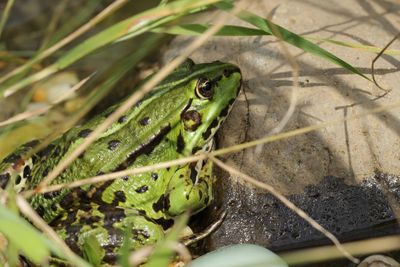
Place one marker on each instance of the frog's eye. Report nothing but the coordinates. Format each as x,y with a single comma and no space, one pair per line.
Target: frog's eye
204,88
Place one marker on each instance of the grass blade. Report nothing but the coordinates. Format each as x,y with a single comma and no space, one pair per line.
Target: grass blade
23,236
289,37
198,29
127,28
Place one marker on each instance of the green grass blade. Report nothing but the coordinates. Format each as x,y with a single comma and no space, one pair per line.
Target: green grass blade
198,29
289,37
130,27
163,251
367,48
5,15
24,236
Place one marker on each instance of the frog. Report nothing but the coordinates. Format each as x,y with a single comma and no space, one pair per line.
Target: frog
178,118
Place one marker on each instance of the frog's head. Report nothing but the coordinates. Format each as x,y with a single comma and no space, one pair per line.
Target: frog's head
211,90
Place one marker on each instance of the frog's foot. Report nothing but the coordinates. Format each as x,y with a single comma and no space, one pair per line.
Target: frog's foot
193,238
105,227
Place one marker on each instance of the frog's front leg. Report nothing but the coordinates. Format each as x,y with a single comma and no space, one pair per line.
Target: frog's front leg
190,188
107,226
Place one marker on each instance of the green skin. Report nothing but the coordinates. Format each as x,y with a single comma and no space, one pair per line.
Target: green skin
177,119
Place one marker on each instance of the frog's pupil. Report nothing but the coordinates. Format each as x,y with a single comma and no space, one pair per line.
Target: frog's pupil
204,88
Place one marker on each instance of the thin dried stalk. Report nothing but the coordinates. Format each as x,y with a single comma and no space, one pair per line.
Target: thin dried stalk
324,253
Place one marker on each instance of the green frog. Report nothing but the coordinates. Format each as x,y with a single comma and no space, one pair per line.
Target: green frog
177,119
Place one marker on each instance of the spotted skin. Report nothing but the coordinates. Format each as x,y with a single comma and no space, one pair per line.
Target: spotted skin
174,121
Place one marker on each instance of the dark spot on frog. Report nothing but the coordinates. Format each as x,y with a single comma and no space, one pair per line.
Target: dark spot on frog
46,151
35,159
142,189
166,224
140,234
27,172
31,144
40,210
84,133
107,114
85,207
56,152
181,176
180,143
113,144
144,149
162,204
112,214
144,121
138,103
98,192
191,120
72,237
81,155
18,180
53,207
12,158
195,149
225,111
52,194
45,172
142,213
125,178
212,125
71,217
193,173
200,194
66,201
4,178
122,119
154,176
228,72
119,196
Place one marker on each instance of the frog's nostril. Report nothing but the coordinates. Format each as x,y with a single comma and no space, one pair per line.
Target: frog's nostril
228,72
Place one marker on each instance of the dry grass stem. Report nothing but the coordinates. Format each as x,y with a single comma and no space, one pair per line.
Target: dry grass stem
377,57
141,255
24,115
114,175
288,204
147,87
325,253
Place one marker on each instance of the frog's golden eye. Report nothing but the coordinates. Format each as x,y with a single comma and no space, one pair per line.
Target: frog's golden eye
204,88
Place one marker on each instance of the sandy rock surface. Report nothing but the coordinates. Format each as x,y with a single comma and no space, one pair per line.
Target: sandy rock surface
352,150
